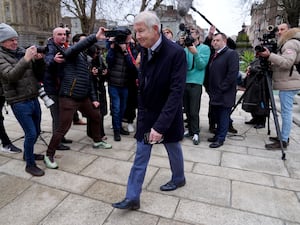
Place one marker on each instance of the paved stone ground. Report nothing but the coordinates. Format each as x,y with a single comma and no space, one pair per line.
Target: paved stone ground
240,183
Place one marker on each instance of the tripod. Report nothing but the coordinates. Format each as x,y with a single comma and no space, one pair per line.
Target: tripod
266,75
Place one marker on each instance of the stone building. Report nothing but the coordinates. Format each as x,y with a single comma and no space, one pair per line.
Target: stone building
33,20
264,16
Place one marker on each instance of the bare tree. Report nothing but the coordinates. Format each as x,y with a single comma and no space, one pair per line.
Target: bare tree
85,10
292,10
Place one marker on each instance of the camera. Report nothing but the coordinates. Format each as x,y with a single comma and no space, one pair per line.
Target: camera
42,49
268,40
119,33
47,101
186,34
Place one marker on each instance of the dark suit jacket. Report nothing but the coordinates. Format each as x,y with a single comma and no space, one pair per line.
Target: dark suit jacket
222,78
161,87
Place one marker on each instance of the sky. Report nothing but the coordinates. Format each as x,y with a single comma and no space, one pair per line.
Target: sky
227,15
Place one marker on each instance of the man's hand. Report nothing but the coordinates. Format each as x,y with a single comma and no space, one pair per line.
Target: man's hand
59,58
154,136
96,104
30,53
264,54
101,34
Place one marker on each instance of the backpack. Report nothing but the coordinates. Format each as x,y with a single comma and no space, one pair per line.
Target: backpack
256,97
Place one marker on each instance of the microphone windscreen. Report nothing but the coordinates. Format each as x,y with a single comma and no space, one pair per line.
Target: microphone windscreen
184,6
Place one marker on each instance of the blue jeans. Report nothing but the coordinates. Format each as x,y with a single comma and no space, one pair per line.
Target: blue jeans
118,99
286,102
28,114
139,167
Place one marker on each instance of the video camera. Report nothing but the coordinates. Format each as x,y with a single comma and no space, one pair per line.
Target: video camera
186,34
119,33
268,40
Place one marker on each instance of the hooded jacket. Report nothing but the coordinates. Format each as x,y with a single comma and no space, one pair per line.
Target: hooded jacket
19,82
284,60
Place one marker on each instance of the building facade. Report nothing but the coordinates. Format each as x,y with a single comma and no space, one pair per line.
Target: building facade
33,20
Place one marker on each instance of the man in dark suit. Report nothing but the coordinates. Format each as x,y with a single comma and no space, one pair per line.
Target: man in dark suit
222,81
161,86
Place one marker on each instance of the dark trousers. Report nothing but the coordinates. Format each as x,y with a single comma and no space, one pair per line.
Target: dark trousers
139,167
222,117
67,108
192,102
3,135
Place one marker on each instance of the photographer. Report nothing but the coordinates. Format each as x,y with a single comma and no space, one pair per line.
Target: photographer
197,56
121,65
20,86
285,78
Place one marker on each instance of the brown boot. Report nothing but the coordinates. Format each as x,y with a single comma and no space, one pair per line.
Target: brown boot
276,145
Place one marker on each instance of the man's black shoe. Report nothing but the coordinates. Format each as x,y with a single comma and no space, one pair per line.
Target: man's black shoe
231,129
36,157
216,144
276,139
212,139
127,204
62,147
251,122
276,145
117,136
171,186
66,141
34,171
124,132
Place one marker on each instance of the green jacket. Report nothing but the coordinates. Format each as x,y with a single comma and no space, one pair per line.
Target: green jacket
197,64
18,80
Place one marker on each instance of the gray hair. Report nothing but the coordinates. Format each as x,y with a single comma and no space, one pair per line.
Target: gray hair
149,18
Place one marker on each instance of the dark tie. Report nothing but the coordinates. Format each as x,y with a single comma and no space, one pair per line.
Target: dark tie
150,54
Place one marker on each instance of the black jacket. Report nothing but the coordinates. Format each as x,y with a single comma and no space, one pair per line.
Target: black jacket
76,81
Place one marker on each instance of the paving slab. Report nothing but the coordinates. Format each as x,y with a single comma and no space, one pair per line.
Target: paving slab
11,187
234,174
32,206
208,156
266,200
198,187
65,181
15,168
73,161
254,163
287,183
106,191
126,217
114,153
3,160
200,213
113,170
293,167
159,204
163,221
75,210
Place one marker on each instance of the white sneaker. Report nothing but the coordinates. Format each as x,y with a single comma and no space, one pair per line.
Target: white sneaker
10,148
130,128
196,139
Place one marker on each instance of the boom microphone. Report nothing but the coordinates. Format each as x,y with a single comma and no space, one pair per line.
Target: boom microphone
184,6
